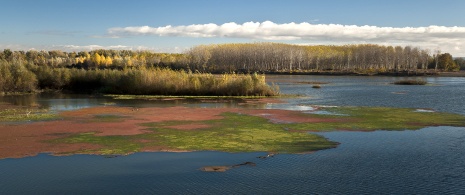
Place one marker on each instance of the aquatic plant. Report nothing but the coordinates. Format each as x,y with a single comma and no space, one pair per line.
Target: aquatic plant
236,132
411,82
25,114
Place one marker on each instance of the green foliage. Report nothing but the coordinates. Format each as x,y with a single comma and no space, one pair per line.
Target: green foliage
52,78
16,78
447,63
460,62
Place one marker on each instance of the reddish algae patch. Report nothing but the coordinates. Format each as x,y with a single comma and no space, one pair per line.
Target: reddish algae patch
29,139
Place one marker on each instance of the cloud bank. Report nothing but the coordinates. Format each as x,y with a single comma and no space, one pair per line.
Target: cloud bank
429,37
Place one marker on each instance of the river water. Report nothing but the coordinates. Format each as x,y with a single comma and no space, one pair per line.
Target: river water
426,161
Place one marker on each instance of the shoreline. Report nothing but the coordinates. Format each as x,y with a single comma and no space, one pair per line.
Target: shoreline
393,74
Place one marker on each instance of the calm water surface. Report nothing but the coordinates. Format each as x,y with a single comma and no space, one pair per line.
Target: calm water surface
426,161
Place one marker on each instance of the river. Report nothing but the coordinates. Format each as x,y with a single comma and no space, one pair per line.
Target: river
426,161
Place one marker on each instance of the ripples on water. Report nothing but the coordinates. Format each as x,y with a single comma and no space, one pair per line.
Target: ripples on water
426,161
441,94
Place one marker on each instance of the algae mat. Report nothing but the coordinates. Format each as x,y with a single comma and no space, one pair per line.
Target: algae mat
111,130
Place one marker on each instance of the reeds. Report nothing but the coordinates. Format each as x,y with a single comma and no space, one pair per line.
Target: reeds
160,81
17,77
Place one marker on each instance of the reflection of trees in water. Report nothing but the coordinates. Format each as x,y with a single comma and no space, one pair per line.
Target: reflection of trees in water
60,101
21,100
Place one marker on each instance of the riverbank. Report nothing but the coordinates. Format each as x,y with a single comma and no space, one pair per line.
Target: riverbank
395,74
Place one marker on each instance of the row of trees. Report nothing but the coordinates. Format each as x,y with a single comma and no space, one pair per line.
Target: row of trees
96,59
285,57
250,57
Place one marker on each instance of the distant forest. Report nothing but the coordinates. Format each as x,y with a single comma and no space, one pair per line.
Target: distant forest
110,70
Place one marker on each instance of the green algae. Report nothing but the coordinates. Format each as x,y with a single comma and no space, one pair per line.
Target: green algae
245,133
110,145
26,114
380,118
241,133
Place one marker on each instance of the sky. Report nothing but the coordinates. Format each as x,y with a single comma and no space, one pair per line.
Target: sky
177,25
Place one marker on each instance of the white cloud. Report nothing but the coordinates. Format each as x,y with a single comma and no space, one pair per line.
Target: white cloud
445,38
115,47
89,47
297,31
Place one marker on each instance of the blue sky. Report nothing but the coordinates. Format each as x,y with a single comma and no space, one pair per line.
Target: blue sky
175,25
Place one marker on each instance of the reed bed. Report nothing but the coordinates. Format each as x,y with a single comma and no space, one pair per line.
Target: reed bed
20,78
158,81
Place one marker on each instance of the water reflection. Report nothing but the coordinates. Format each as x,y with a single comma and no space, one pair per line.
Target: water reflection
444,94
427,161
56,102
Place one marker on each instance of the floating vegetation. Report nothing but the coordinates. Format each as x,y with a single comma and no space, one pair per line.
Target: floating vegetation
411,82
379,118
119,130
25,114
312,82
225,168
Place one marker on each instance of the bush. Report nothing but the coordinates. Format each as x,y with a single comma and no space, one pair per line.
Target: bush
16,78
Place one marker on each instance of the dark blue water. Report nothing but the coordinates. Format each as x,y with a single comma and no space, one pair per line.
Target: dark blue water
426,161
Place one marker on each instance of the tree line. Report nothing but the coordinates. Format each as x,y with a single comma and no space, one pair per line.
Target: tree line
250,57
289,58
85,71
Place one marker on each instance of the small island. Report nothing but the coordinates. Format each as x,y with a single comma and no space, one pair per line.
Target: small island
411,82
